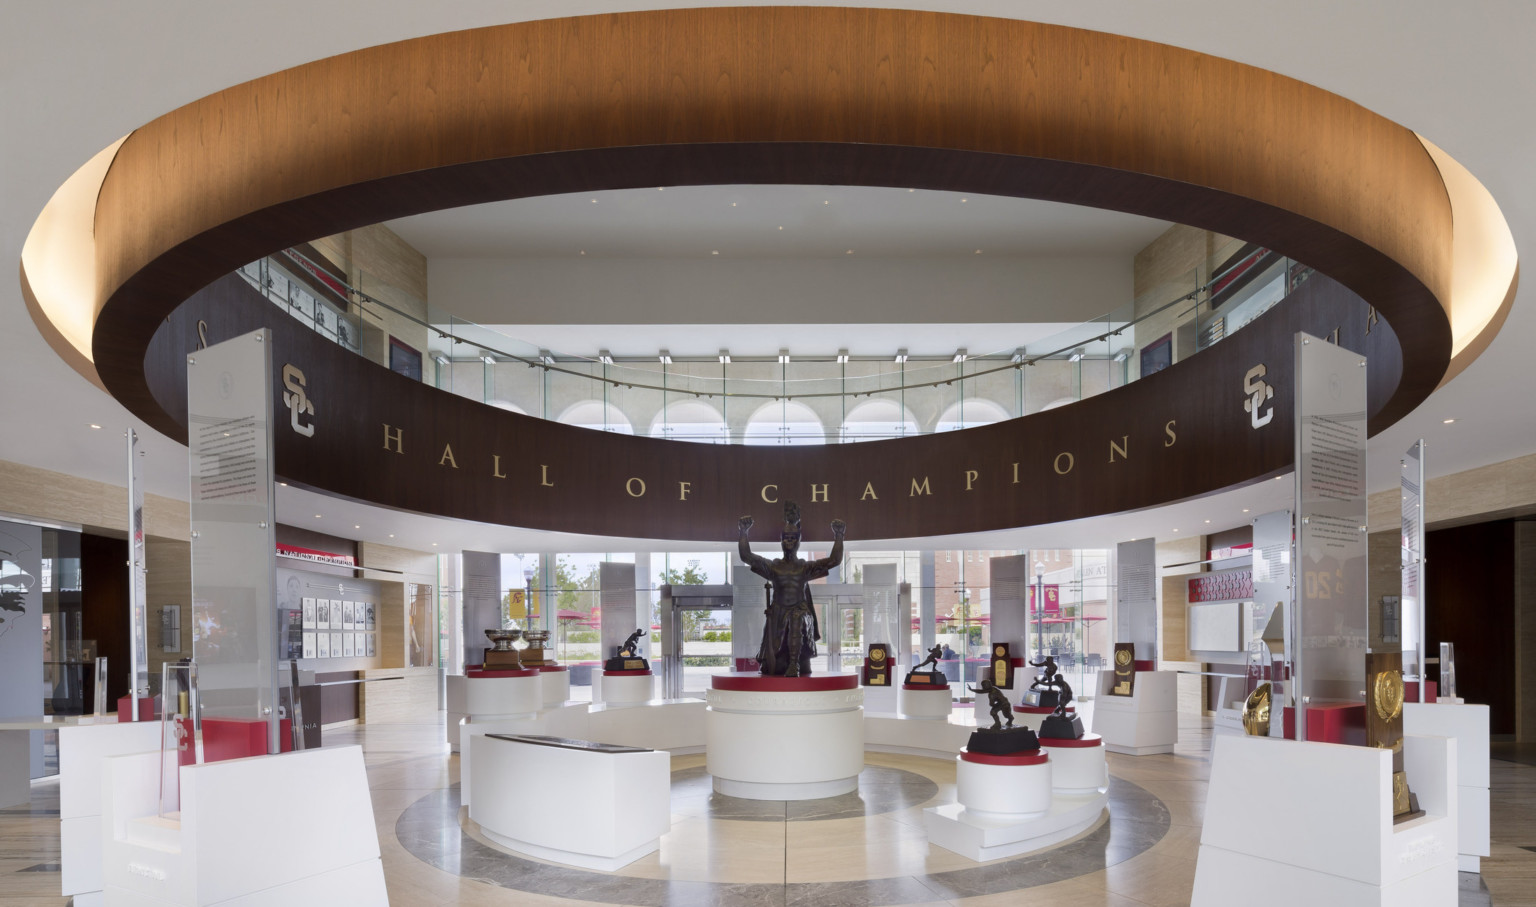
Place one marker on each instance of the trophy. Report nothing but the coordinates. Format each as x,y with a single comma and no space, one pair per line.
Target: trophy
503,654
534,656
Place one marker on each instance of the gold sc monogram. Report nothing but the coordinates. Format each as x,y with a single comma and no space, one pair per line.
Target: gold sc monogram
1258,392
297,400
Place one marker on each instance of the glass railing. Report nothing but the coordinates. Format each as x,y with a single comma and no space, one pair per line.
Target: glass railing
793,398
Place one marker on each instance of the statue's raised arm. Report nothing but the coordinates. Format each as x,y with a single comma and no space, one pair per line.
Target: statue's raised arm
823,566
758,564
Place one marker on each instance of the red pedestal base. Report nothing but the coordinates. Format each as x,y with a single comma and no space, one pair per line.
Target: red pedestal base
1073,743
147,710
1331,722
478,671
762,684
626,673
1028,757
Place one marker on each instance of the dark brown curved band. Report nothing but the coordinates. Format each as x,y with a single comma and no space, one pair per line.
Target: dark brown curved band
782,95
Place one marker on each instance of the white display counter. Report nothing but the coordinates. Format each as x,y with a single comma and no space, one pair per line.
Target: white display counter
614,816
881,700
1288,822
82,751
923,701
1469,725
16,751
1141,724
784,738
502,694
295,829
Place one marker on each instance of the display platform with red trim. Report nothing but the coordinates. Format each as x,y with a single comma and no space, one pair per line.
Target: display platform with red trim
759,683
1028,757
645,673
1041,709
1073,743
476,671
545,669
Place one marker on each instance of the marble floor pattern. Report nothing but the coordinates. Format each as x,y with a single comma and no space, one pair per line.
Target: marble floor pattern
861,851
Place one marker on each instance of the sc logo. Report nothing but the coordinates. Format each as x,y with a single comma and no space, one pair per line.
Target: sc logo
1257,392
297,400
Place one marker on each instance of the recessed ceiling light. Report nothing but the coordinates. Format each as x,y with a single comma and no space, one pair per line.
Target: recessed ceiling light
434,544
733,204
583,251
978,251
911,190
284,484
849,252
826,201
781,228
661,188
355,526
391,535
94,425
317,516
714,251
1448,421
594,201
1207,521
964,200
1245,510
1175,530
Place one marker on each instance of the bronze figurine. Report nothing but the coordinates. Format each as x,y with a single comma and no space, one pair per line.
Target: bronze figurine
792,629
998,700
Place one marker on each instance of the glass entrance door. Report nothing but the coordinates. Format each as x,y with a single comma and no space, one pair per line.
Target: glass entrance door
842,632
703,647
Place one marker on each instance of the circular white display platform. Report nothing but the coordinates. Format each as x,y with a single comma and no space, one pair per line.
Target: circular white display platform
931,703
502,694
626,688
1022,789
555,684
1080,766
767,740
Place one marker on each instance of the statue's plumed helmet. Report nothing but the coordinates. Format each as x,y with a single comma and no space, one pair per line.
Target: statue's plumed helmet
791,519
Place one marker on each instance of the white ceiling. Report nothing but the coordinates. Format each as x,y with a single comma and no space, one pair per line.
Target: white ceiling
737,222
74,78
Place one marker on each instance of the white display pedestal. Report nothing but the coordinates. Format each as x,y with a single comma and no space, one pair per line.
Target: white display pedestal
456,706
1141,724
615,816
1005,806
502,694
555,682
924,701
784,738
1077,766
623,688
1289,822
1469,725
82,750
881,701
295,829
16,751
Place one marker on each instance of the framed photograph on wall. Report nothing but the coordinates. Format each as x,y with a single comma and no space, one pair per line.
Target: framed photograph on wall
348,620
309,643
373,649
335,643
404,360
371,622
1157,355
348,646
322,614
322,644
309,614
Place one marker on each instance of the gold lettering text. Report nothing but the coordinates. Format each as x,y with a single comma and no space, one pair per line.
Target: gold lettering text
764,494
682,490
1125,442
922,488
819,492
447,457
630,487
1370,319
1333,337
1071,461
970,478
544,476
1168,430
496,467
396,437
869,492
1015,473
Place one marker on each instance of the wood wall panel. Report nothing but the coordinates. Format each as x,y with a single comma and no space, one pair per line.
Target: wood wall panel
410,700
1469,600
48,495
771,95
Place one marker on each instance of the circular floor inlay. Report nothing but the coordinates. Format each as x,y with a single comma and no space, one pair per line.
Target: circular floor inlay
430,830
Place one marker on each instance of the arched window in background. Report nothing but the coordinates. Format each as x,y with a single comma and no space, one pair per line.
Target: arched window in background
596,414
786,423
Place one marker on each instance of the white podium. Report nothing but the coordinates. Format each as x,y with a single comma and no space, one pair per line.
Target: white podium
1078,765
1007,805
1289,822
784,738
624,688
1469,725
502,694
294,829
555,682
1141,724
614,816
924,701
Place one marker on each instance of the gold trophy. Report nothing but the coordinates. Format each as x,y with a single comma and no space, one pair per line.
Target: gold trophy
1384,725
1256,710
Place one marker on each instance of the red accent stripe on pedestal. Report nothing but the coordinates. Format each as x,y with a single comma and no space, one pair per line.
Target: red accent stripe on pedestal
1028,757
1085,740
477,672
645,673
925,686
1042,709
758,683
546,669
1143,665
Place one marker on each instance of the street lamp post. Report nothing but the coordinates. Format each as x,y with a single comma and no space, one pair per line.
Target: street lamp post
1039,611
